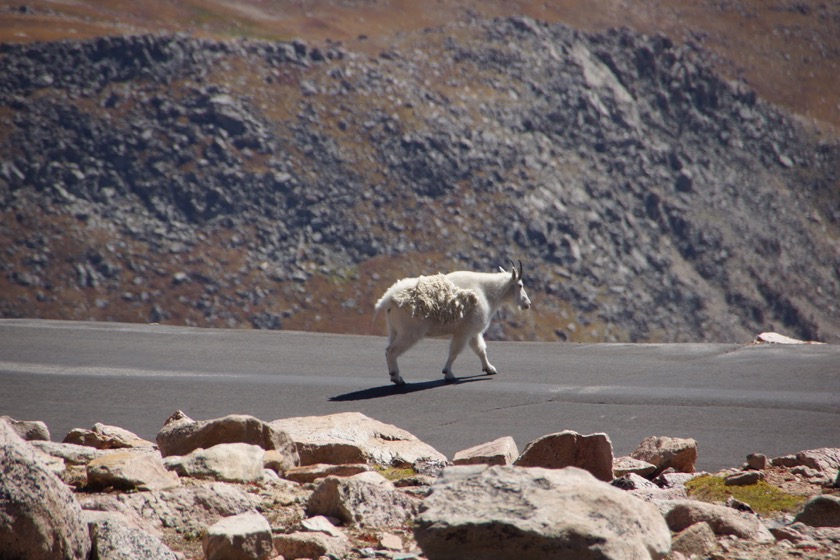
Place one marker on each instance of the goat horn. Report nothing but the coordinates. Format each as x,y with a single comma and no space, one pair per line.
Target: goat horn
512,266
520,270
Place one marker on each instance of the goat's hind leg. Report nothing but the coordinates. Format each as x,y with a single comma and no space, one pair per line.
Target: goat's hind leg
398,343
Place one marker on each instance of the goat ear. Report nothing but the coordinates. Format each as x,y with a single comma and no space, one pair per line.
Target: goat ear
502,269
513,271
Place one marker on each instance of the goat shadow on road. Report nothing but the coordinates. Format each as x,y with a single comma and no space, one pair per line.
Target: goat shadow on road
391,390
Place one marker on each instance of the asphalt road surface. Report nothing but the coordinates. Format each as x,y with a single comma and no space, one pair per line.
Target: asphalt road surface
733,399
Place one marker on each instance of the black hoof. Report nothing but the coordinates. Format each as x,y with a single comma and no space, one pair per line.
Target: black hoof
398,382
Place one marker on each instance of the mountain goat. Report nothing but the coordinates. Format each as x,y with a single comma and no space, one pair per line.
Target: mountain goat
459,304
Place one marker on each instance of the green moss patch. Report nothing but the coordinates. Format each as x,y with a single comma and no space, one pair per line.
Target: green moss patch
396,473
764,498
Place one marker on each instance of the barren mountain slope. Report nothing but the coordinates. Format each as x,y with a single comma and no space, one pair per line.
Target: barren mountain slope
787,50
242,183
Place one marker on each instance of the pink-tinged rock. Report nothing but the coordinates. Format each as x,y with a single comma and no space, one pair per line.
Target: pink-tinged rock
723,520
824,459
352,437
756,462
502,451
228,462
311,473
28,430
366,500
698,540
318,537
40,518
665,452
591,453
116,538
130,471
304,544
512,513
628,465
102,436
821,511
747,478
181,434
189,509
246,536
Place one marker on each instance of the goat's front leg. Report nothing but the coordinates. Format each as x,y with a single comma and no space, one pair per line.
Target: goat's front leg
480,348
455,346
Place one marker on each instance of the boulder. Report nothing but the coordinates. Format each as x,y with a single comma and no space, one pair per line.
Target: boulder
391,541
276,461
746,478
813,475
181,434
115,538
55,465
352,437
318,537
102,436
698,540
130,471
28,430
785,461
246,536
190,509
681,514
70,453
367,500
665,452
502,451
301,544
39,516
756,462
229,462
627,465
311,473
821,511
824,459
591,453
321,524
114,504
500,513
787,533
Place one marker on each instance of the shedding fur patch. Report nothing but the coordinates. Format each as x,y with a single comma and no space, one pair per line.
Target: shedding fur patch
437,298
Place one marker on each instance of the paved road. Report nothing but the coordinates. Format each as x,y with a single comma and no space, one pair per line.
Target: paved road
732,399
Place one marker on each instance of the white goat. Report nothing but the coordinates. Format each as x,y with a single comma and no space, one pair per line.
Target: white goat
459,304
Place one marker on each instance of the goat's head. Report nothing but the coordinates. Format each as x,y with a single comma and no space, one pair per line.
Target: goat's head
517,287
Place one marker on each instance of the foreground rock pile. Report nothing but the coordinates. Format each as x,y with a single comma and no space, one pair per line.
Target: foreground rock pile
238,487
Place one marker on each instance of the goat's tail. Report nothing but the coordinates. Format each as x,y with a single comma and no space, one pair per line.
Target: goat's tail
383,303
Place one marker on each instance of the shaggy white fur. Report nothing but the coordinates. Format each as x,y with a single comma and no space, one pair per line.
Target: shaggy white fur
436,297
459,305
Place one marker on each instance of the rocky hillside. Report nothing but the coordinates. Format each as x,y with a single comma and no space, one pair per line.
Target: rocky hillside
286,184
